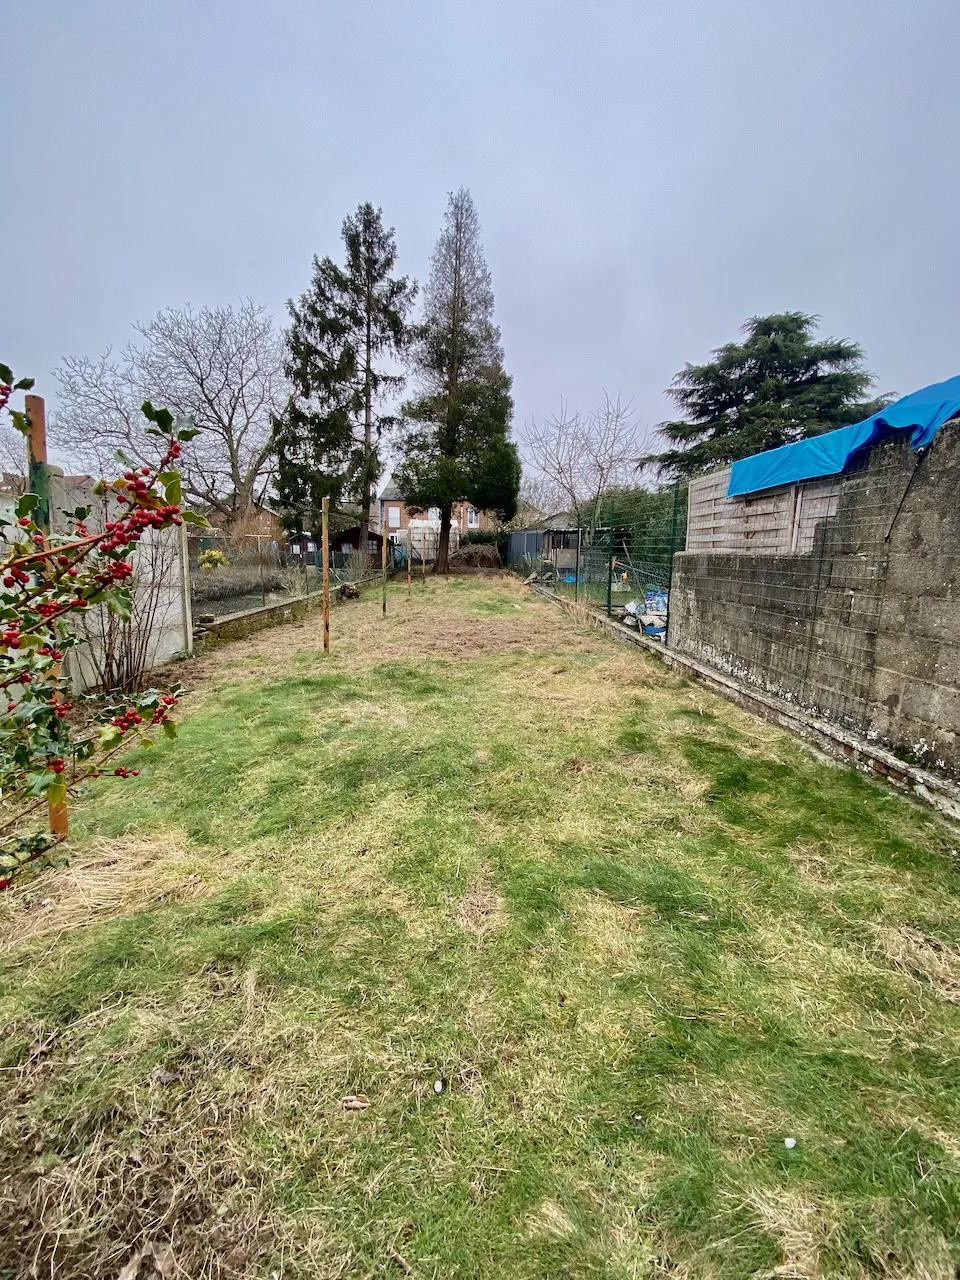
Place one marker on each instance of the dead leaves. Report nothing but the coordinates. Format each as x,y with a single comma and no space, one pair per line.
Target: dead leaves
154,1261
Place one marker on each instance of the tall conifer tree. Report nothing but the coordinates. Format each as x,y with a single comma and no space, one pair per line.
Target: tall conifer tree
346,335
457,443
780,384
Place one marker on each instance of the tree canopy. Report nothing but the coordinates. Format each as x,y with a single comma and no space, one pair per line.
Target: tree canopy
457,442
780,384
346,334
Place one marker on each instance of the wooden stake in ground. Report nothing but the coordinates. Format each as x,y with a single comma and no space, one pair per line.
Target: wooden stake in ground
40,485
325,552
383,567
409,559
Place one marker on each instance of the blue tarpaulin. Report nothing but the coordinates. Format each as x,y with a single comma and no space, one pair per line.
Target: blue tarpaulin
922,412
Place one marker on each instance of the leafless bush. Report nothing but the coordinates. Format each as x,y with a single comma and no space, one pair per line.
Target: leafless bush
117,654
476,556
358,567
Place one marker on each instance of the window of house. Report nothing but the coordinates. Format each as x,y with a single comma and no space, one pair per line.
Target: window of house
393,517
473,518
433,513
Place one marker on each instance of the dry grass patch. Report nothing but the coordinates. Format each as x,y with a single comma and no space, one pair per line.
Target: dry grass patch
797,1225
481,909
105,882
923,958
550,1219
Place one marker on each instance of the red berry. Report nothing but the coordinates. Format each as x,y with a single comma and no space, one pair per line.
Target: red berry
8,581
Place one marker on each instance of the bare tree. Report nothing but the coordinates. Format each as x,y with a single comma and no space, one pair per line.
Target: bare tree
580,456
222,365
537,500
13,452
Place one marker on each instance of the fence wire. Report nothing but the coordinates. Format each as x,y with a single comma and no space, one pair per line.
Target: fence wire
621,562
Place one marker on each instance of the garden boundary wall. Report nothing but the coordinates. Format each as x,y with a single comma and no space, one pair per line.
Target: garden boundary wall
862,630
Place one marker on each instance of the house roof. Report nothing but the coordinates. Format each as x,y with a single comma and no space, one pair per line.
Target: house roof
390,493
562,521
355,532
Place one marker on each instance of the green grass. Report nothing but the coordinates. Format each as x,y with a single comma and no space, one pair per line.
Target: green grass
639,937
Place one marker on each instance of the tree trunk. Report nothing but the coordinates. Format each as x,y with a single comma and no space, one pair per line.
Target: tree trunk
442,562
366,500
243,503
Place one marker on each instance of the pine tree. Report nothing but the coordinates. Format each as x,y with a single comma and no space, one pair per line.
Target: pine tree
457,444
344,332
779,385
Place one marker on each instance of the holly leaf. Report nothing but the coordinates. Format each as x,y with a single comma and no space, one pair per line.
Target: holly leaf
39,782
6,374
109,736
118,600
169,728
29,502
20,422
172,487
147,410
191,517
164,420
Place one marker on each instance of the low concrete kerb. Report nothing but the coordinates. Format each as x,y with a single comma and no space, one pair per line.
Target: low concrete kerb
939,793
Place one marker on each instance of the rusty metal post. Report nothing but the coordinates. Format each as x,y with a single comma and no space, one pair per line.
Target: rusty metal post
325,552
383,563
39,481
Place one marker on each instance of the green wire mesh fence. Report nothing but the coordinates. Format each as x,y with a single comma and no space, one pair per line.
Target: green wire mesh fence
618,557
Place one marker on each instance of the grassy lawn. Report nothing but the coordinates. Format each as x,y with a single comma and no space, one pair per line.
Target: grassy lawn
635,938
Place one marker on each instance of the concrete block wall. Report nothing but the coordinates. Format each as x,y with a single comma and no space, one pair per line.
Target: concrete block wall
864,629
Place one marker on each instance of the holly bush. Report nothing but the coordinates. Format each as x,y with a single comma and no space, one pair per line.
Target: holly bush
48,746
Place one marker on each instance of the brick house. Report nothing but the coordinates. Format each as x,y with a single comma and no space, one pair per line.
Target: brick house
394,515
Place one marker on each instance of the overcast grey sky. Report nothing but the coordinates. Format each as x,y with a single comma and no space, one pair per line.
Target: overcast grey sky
648,173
